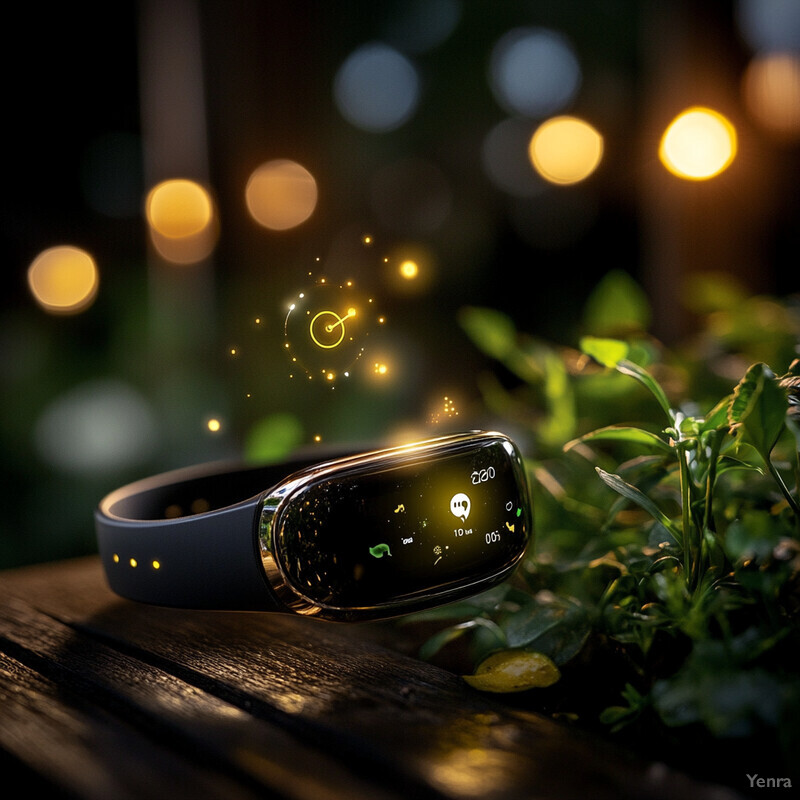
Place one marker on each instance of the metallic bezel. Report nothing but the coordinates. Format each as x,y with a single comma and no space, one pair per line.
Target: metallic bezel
277,500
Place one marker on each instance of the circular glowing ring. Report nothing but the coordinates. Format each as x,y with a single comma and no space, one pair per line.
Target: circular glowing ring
328,329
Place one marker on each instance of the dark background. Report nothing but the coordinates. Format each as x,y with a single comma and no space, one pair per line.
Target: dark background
256,79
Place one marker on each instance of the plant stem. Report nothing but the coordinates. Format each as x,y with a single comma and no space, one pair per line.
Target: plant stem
686,517
786,493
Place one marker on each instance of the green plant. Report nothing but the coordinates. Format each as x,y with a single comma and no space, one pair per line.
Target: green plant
668,546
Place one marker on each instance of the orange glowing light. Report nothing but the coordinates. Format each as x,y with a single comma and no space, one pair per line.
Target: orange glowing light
178,209
771,88
565,150
699,144
182,221
63,279
281,194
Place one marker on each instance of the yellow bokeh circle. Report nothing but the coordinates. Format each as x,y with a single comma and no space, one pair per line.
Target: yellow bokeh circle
565,150
698,144
63,279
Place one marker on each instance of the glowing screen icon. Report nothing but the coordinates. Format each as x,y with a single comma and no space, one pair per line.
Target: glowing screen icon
380,550
460,506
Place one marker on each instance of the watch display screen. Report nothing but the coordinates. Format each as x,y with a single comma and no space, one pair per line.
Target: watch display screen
379,534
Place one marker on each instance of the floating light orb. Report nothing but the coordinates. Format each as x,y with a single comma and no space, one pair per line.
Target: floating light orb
409,269
699,144
565,150
63,279
281,194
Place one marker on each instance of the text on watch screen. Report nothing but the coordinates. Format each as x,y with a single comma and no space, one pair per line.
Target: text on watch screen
370,539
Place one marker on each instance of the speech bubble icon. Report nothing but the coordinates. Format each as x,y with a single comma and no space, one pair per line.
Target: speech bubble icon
460,505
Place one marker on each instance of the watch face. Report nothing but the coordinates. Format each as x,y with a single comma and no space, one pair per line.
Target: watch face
401,531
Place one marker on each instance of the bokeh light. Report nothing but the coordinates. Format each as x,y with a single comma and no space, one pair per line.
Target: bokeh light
771,88
534,72
698,144
420,25
178,208
770,25
182,221
281,194
63,279
565,150
95,427
506,161
377,88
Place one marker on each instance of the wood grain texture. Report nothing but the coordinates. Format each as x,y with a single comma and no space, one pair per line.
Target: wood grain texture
101,698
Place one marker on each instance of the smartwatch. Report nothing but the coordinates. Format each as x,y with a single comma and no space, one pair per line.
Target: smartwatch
357,537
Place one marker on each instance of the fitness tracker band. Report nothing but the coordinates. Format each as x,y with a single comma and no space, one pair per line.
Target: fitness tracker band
364,536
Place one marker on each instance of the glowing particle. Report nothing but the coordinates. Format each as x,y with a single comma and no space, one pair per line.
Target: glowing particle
698,144
233,351
214,425
317,438
116,558
133,562
366,239
156,565
380,368
258,320
409,269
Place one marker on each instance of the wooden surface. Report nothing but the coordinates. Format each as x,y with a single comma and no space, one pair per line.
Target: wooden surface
103,698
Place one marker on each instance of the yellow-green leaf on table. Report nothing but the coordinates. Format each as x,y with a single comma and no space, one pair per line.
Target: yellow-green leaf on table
514,671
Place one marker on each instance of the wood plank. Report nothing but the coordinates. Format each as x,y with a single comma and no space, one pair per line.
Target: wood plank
299,707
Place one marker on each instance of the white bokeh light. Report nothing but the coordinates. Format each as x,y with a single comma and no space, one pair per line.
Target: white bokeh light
534,72
770,25
98,426
376,88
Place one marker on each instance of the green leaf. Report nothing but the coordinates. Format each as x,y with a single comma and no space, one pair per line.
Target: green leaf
614,353
646,379
513,671
608,352
273,438
628,435
491,331
758,409
617,306
717,417
642,500
439,639
558,629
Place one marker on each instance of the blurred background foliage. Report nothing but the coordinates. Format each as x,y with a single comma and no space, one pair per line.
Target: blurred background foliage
402,135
